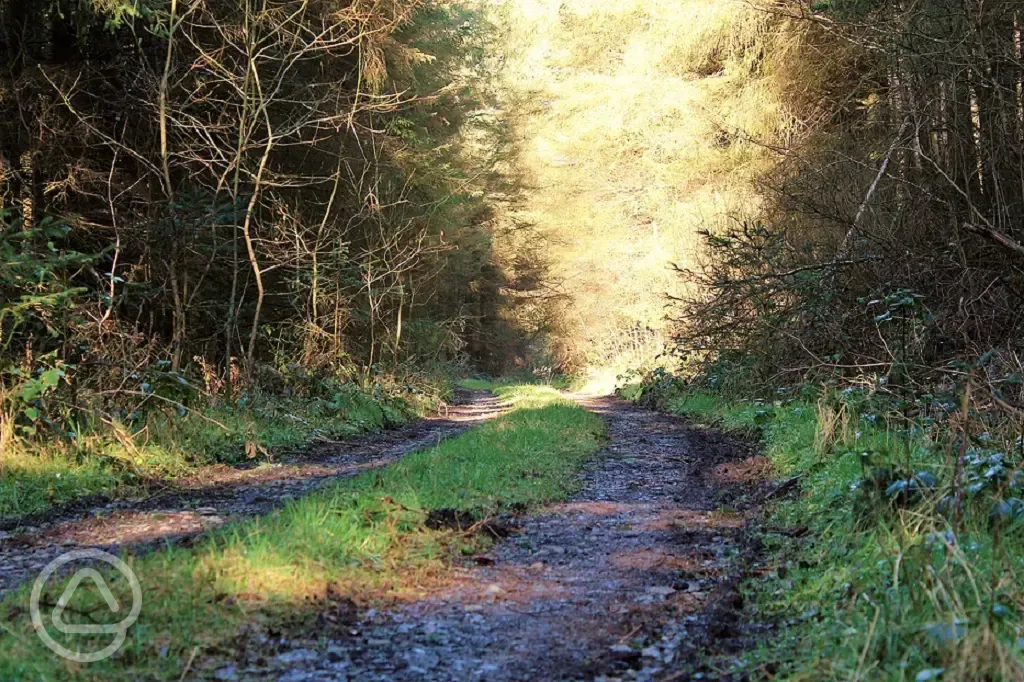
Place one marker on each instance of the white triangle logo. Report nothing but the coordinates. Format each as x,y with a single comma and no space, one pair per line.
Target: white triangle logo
119,630
69,592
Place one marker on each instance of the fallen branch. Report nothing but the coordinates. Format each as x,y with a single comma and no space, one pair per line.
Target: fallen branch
166,400
783,488
996,237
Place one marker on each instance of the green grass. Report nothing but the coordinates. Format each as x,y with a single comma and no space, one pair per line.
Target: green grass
478,384
876,590
562,382
363,537
115,460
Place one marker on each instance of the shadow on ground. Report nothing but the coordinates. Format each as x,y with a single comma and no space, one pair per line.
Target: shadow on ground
634,578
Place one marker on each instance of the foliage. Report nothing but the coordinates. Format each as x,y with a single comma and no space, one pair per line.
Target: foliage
37,299
637,123
236,211
34,287
887,196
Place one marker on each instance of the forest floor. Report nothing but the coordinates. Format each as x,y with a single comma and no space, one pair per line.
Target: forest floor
636,576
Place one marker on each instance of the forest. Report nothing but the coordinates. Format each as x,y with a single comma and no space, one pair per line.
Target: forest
236,230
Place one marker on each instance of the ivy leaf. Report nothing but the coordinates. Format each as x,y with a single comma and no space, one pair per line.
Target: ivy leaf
51,378
900,486
946,633
1008,510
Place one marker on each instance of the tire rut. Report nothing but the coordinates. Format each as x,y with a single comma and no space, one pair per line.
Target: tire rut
633,578
182,511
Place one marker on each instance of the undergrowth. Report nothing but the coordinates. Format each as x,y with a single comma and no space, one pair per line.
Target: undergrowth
366,536
892,562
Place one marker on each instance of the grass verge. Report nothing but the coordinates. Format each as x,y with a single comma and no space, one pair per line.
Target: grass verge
365,536
163,443
872,577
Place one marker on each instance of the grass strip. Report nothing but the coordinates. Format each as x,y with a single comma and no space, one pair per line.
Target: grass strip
365,536
114,460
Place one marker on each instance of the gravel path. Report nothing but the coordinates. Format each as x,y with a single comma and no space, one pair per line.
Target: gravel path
634,578
185,509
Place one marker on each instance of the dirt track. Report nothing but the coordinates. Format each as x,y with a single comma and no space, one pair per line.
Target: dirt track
181,511
634,578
